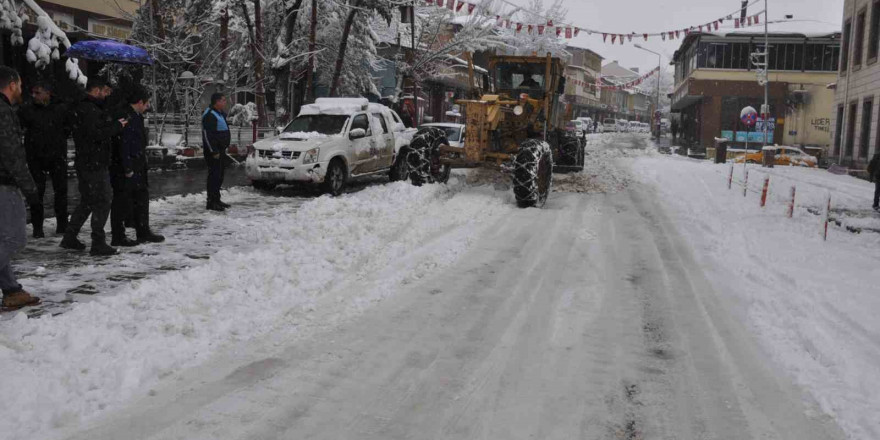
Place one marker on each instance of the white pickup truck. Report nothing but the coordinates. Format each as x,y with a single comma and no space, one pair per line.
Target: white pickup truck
331,142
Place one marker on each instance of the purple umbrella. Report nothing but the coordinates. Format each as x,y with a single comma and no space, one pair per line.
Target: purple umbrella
109,51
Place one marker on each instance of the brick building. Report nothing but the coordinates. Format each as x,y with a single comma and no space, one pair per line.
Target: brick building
715,80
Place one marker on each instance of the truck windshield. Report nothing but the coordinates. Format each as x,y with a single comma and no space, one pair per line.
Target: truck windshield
522,78
324,124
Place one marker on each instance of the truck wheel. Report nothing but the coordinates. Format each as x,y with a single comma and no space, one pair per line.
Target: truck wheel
569,151
424,157
400,170
532,174
262,185
337,175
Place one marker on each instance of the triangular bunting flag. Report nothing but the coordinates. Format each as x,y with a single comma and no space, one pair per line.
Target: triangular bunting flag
613,38
440,3
605,37
736,23
568,32
577,30
530,29
646,37
558,31
540,29
450,4
757,18
471,7
519,27
458,8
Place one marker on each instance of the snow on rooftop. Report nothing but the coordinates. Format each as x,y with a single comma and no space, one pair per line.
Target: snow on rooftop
805,28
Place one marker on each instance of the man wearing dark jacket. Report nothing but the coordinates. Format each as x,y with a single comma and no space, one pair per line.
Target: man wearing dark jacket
15,179
128,174
93,134
215,141
45,141
874,174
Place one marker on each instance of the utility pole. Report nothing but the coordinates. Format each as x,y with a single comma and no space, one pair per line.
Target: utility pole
310,75
412,18
766,109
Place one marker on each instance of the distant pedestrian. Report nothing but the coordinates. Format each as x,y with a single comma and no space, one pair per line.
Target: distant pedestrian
128,175
93,134
15,179
674,130
596,126
45,141
215,141
874,175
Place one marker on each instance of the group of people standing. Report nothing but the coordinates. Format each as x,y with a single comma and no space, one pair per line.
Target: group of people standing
110,164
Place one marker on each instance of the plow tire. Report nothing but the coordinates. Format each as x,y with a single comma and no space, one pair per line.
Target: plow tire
532,174
423,157
569,152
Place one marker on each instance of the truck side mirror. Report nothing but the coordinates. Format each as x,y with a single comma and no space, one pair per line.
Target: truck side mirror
357,133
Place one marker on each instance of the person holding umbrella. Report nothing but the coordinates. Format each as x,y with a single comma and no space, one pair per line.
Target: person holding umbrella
93,134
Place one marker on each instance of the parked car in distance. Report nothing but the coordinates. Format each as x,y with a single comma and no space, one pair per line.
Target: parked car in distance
635,127
588,123
578,127
609,125
455,133
622,126
329,143
790,156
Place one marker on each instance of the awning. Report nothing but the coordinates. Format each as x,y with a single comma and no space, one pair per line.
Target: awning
685,102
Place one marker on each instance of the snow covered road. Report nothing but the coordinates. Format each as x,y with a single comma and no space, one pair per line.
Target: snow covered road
591,318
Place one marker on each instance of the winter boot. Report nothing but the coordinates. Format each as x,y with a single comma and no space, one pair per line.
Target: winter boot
101,249
62,225
224,205
150,237
17,300
215,206
123,241
38,231
69,242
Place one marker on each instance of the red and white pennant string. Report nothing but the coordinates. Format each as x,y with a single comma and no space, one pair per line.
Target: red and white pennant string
569,31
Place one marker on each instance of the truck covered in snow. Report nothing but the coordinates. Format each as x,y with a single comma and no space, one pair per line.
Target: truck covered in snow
329,143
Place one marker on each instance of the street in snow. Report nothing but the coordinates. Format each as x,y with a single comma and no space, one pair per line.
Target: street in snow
620,307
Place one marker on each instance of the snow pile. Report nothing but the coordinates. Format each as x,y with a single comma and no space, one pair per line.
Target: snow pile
11,21
600,174
43,47
243,115
813,304
353,249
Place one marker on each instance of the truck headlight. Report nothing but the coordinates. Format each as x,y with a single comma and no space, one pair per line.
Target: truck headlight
311,156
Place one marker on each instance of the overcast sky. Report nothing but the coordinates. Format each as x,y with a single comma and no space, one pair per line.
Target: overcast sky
640,16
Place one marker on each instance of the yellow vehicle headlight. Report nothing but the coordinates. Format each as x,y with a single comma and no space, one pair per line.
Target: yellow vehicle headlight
518,110
311,156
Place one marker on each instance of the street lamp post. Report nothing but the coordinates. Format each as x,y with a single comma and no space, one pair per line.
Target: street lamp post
657,105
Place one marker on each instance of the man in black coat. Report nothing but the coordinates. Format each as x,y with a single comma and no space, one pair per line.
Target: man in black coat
128,175
45,141
874,175
93,134
215,140
15,181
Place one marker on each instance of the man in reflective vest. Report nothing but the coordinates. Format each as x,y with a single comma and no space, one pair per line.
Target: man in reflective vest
215,141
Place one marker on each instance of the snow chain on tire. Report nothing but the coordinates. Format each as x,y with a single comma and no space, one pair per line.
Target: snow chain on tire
422,150
569,151
533,163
